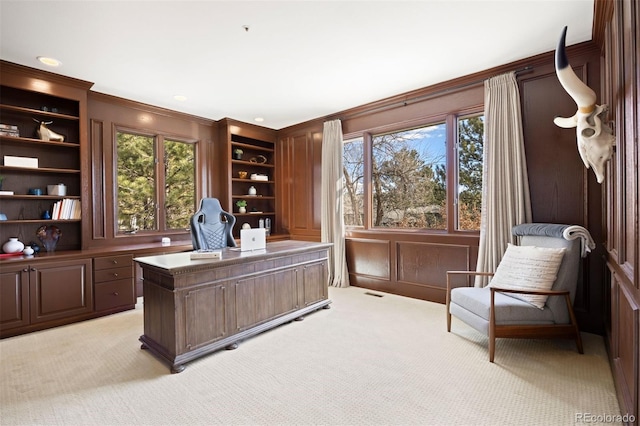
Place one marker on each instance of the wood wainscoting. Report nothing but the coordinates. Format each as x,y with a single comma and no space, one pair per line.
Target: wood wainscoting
408,264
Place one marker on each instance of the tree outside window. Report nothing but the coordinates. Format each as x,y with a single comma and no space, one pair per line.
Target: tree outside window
179,183
470,145
409,179
147,181
353,175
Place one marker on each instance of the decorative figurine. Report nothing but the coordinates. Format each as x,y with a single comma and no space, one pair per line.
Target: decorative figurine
595,138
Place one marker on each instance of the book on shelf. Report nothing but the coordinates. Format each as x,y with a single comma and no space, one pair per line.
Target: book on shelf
9,130
6,192
66,209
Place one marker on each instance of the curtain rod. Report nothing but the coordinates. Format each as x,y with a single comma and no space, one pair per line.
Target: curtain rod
409,101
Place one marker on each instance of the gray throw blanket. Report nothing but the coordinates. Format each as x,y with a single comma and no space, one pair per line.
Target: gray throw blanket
568,232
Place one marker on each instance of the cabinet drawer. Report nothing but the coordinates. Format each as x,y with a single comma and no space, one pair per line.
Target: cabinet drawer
112,274
112,261
113,294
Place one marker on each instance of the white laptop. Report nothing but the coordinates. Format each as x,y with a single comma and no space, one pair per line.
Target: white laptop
253,239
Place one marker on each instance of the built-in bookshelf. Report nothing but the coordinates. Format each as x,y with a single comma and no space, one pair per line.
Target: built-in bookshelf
252,177
33,169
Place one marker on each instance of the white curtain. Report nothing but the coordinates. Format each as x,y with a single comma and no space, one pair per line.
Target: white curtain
332,221
505,185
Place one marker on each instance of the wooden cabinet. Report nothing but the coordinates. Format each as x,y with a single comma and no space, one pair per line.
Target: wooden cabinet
26,98
113,282
251,163
14,297
44,293
193,308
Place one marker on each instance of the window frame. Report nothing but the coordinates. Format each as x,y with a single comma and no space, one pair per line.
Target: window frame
451,121
456,161
159,193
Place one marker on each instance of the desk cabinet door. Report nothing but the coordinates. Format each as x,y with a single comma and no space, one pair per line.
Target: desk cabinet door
314,282
204,316
14,297
60,290
264,297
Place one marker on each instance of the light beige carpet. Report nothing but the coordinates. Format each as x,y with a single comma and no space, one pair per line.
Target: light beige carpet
366,361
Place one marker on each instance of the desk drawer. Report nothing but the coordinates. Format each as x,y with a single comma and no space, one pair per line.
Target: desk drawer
112,262
113,294
112,274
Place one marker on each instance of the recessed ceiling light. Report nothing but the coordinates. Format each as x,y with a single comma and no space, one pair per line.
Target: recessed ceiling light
180,98
259,119
52,62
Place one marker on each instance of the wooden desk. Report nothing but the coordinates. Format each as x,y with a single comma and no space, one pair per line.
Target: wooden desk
195,307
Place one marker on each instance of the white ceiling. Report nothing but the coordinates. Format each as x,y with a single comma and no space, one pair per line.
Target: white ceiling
299,60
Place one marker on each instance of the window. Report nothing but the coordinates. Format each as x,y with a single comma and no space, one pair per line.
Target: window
409,178
353,175
179,183
409,171
470,144
147,180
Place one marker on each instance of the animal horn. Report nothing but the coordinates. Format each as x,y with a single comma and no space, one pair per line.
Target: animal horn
582,94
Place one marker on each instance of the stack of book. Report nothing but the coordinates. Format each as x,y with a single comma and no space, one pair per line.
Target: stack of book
9,130
66,209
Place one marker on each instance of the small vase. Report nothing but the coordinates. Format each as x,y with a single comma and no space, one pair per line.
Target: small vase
242,209
49,236
252,190
12,246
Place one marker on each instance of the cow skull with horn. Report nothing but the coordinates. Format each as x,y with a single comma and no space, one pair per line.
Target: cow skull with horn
595,138
46,134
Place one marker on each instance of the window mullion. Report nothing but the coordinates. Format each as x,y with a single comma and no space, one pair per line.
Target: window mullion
160,183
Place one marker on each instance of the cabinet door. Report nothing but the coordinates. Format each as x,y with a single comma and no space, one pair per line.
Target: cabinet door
264,297
204,316
60,290
14,297
314,282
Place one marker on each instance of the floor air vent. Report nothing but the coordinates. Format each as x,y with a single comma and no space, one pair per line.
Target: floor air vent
372,294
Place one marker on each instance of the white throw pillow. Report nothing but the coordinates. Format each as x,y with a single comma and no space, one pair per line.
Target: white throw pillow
528,268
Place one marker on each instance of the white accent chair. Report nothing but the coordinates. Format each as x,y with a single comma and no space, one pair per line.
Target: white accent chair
497,313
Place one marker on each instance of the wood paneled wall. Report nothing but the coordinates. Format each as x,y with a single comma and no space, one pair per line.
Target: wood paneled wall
618,34
562,189
106,113
299,156
414,263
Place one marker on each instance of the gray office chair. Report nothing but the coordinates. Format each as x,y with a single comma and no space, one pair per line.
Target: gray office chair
497,313
211,227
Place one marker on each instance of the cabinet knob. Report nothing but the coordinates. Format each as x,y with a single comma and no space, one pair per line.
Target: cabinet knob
33,269
25,270
115,274
115,262
115,293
